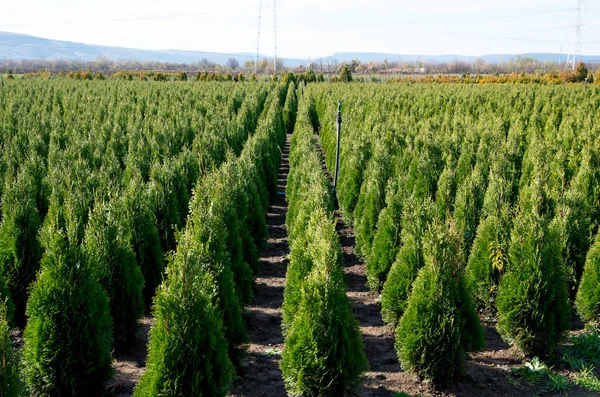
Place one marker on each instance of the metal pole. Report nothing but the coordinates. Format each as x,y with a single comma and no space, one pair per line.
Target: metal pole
337,148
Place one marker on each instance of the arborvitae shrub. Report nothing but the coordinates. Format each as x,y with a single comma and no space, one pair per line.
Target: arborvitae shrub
145,239
398,285
290,108
488,259
467,208
20,251
446,192
440,324
114,265
387,238
208,228
323,351
68,338
170,198
372,197
226,194
578,214
588,295
187,352
11,384
532,302
352,177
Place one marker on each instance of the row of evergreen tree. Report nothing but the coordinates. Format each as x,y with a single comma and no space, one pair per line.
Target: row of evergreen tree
323,352
78,206
507,177
198,308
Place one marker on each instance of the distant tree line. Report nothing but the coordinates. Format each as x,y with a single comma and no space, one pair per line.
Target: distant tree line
265,66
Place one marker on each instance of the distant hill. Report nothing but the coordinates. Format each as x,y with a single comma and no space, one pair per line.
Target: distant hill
14,46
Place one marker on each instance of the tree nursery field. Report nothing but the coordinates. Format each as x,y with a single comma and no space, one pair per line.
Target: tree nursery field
182,238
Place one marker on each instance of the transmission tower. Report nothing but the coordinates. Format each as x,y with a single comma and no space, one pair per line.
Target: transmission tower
275,34
258,38
572,58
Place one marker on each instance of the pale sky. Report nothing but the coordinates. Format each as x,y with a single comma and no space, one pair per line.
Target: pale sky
313,28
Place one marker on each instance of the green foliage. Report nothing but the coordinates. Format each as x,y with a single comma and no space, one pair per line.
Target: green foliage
386,241
345,74
440,323
11,384
187,352
581,72
145,240
588,295
533,310
290,108
20,251
398,285
113,263
488,259
323,352
372,196
68,338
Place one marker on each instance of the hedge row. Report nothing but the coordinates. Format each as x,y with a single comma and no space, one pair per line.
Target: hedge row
323,351
210,275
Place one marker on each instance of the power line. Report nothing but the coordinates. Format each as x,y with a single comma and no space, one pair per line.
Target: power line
126,19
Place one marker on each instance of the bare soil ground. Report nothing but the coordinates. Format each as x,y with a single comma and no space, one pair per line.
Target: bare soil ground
130,365
259,374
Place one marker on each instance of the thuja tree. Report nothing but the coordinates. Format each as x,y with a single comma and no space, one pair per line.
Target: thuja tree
578,212
290,108
588,295
323,351
417,214
488,259
20,251
145,239
187,352
113,263
386,241
11,384
372,195
440,324
533,309
207,226
68,338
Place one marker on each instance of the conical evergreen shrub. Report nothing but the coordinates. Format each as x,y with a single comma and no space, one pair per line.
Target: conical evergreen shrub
113,263
386,241
290,108
145,239
398,285
20,251
11,384
372,196
440,324
68,338
532,302
187,352
588,295
207,226
323,351
488,259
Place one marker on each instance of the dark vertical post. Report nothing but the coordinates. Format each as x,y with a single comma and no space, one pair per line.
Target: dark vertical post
585,84
337,148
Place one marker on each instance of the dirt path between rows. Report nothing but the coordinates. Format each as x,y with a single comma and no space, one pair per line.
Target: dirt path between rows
260,374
